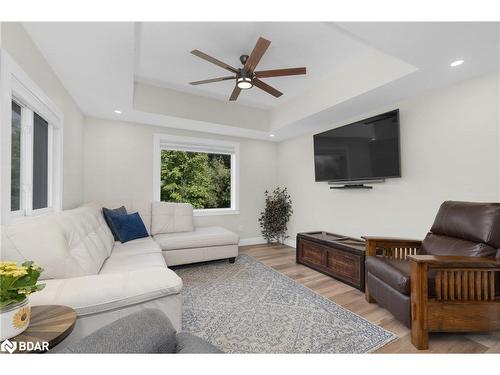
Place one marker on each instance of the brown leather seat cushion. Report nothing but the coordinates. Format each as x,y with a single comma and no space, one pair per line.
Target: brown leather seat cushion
395,273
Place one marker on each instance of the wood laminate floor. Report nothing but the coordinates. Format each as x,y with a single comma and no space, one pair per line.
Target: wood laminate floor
282,259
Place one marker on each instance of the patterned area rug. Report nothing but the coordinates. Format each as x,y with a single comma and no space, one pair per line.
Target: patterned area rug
248,307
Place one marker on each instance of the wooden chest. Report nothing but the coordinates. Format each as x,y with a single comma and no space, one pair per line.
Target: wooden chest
335,255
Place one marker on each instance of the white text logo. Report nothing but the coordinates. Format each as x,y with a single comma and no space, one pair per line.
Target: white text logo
24,346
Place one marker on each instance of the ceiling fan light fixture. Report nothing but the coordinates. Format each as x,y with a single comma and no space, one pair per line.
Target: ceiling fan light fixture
244,83
247,77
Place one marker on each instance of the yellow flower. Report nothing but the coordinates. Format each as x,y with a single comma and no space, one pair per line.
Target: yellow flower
21,318
17,272
6,264
12,268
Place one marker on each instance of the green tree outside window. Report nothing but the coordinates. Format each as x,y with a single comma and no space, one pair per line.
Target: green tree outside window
202,179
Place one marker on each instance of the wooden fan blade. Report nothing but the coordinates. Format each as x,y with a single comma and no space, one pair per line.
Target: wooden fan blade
280,72
257,53
235,93
213,60
211,80
264,86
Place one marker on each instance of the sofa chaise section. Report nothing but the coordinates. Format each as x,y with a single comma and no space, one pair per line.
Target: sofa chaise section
201,245
171,227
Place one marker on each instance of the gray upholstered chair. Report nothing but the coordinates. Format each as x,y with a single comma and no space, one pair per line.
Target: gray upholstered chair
146,331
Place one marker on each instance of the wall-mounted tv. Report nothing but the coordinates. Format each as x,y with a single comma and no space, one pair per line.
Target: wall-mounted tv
364,150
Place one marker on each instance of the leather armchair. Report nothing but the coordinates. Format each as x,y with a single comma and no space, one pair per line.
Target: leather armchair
449,282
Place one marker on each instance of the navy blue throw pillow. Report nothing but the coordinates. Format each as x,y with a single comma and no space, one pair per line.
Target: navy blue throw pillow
108,212
128,227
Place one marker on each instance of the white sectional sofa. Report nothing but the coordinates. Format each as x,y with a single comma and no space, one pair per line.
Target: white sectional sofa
171,226
103,280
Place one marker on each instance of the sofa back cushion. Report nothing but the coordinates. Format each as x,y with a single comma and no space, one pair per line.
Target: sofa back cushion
469,221
41,240
89,238
170,217
68,244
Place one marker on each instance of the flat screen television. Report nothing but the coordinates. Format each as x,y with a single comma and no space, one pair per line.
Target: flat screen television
364,150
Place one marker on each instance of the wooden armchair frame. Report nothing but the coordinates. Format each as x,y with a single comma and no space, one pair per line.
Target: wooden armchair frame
464,299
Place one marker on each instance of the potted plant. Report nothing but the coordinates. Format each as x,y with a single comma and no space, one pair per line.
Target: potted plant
16,284
274,219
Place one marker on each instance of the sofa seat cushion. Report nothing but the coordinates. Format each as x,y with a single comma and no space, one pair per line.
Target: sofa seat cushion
200,237
97,293
117,264
395,273
144,245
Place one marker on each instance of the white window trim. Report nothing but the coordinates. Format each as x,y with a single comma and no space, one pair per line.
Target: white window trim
16,85
163,141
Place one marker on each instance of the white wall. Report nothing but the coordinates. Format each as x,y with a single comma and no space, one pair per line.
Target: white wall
450,150
118,164
21,48
160,100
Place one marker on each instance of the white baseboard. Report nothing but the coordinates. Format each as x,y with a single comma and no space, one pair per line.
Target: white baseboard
260,240
252,241
290,242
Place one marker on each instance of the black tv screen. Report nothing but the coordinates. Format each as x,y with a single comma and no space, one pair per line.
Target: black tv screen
364,150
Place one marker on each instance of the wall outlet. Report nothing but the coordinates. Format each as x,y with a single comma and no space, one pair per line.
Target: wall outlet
240,228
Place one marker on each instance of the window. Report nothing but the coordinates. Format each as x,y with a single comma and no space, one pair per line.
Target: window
15,159
40,162
29,172
31,144
197,171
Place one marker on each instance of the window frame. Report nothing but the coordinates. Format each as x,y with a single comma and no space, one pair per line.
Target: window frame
15,85
163,141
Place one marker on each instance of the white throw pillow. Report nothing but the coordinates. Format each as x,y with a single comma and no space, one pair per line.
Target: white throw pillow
170,217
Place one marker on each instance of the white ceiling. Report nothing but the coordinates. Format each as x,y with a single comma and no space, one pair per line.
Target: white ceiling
163,55
94,60
353,68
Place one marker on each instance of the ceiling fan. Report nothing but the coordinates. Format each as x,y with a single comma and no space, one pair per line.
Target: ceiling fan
247,77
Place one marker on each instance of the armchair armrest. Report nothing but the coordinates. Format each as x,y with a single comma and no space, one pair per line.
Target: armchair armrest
452,293
451,261
391,239
391,247
454,278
